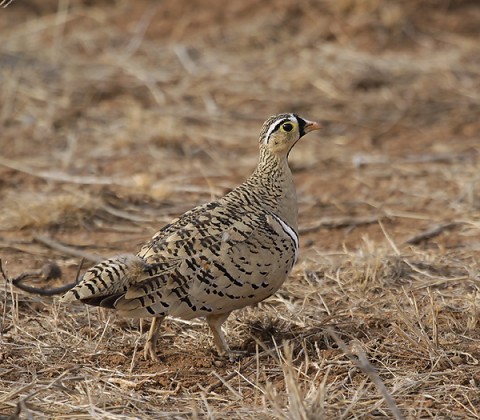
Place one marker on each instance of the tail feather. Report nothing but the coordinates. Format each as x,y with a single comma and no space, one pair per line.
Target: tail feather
103,301
110,277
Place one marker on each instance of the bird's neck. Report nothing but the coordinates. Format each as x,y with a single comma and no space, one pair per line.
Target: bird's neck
273,186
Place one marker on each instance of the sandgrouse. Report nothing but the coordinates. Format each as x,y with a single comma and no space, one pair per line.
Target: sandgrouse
218,257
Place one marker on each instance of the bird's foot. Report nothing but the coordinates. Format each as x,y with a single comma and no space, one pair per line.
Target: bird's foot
150,351
229,357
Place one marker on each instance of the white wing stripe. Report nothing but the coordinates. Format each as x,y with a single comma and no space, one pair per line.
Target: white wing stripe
290,232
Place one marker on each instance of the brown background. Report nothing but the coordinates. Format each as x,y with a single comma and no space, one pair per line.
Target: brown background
117,116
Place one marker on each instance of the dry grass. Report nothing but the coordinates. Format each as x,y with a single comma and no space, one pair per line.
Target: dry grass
117,116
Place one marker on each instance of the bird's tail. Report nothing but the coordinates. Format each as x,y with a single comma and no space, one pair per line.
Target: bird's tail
108,279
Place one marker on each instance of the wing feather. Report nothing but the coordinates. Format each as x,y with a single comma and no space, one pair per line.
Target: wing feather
212,256
217,264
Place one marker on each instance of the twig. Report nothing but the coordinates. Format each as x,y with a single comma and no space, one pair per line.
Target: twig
17,282
5,3
230,376
5,300
48,272
430,233
389,238
66,249
360,359
362,159
61,176
185,59
339,222
125,215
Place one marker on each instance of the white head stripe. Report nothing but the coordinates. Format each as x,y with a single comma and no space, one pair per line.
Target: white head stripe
275,125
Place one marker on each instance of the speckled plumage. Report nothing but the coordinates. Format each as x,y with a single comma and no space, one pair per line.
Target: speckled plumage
217,257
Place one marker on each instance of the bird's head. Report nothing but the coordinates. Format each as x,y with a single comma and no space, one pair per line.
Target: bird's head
280,133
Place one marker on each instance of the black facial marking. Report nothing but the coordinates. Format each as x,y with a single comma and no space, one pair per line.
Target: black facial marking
301,125
279,124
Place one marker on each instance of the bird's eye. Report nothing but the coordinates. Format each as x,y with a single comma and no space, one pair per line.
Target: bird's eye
287,127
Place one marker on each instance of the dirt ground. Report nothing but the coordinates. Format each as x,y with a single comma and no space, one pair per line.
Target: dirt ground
117,116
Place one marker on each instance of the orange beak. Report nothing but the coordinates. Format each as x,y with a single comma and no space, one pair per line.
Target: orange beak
311,126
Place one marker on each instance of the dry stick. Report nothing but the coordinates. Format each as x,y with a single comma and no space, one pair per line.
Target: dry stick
366,367
66,249
18,282
43,292
60,176
221,382
51,270
5,301
389,238
5,3
431,233
339,222
125,215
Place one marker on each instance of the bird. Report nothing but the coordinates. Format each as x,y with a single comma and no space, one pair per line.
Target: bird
216,258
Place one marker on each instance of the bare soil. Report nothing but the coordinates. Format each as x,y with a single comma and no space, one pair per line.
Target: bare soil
117,116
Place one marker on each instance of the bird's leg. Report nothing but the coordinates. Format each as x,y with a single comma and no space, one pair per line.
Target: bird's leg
150,350
215,323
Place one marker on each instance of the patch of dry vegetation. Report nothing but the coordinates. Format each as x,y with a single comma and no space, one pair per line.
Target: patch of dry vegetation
117,116
414,321
36,210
